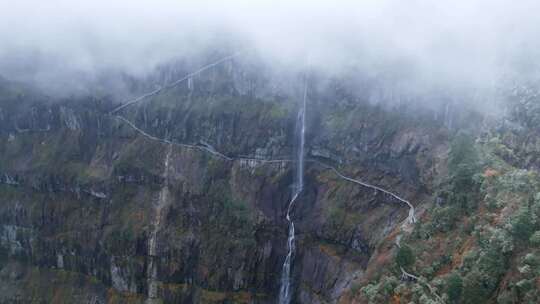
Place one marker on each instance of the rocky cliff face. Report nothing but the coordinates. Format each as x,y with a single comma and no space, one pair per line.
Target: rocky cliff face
95,211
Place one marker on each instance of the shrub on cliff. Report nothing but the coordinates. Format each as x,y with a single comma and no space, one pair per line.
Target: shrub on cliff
463,164
463,161
405,257
522,224
535,239
454,288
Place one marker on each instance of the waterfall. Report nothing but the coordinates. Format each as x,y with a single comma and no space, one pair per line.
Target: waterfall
285,289
190,83
448,116
163,199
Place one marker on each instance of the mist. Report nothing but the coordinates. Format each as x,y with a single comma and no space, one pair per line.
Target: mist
61,45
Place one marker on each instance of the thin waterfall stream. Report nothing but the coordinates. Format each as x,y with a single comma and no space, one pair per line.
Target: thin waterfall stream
159,206
285,289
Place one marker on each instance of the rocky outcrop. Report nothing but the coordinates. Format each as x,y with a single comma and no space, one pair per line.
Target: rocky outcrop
88,197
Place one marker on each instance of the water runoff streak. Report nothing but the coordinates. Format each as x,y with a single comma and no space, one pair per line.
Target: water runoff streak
160,206
285,289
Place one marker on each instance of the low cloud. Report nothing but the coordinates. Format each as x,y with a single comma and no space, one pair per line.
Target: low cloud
458,43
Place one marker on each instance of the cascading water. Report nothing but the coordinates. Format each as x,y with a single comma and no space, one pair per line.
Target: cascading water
162,202
285,289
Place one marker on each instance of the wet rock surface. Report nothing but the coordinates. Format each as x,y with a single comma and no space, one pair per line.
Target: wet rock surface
78,191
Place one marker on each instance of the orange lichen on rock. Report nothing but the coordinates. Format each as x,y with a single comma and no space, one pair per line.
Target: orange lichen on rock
396,299
489,172
457,259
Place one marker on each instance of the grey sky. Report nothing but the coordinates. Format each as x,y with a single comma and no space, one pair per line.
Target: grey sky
450,41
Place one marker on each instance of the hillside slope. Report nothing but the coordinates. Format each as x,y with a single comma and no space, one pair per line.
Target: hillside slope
182,198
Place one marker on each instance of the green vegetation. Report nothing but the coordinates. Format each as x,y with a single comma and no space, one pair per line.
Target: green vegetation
454,288
522,224
535,239
463,161
463,165
230,220
405,257
376,293
481,238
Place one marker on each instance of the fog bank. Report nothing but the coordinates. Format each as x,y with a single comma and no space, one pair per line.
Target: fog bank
64,44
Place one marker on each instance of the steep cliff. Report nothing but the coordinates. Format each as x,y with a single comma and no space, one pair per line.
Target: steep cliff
181,198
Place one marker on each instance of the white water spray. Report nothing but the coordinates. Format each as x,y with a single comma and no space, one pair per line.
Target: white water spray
285,289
